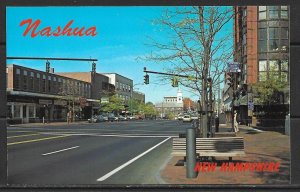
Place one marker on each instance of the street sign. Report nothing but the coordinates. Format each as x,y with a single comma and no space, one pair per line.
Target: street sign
250,105
234,67
105,100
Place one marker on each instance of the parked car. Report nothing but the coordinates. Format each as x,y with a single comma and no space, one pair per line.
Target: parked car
194,117
116,118
131,118
122,118
97,119
105,117
187,118
180,117
93,119
111,117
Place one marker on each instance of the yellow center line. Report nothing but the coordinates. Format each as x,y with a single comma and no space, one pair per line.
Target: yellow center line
22,135
35,140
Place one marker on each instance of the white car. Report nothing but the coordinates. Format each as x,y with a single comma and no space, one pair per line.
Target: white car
131,117
187,118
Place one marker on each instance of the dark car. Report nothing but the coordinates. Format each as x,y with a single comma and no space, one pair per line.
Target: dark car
111,117
97,119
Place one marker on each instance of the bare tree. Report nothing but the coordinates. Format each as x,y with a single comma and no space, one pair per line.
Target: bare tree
197,46
70,92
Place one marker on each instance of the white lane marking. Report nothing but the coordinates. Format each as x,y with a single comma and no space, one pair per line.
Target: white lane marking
109,135
119,130
250,128
130,161
60,150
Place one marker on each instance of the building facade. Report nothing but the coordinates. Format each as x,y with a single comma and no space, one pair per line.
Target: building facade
123,86
261,46
100,88
170,104
138,96
34,95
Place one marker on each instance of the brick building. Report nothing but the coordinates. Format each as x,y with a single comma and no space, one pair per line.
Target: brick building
261,46
100,87
33,95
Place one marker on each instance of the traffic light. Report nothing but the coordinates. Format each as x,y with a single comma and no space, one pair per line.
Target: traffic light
93,67
229,79
47,66
174,82
146,79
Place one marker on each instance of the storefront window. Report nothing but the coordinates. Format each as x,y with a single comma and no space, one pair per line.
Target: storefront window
263,66
284,12
262,12
17,111
262,37
284,33
273,45
31,111
284,76
284,65
273,12
262,76
9,111
273,65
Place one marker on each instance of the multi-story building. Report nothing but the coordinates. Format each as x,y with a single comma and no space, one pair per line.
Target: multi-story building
170,104
99,82
261,46
123,86
138,96
33,95
100,86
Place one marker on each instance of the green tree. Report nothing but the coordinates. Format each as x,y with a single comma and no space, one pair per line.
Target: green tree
268,91
149,109
115,104
134,106
170,115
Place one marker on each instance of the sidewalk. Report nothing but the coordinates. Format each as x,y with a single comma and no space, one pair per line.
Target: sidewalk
260,146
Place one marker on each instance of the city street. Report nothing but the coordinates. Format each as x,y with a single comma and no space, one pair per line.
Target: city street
128,152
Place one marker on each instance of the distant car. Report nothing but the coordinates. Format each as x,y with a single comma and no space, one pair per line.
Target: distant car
187,118
93,119
180,117
122,118
131,117
111,117
194,117
97,119
105,117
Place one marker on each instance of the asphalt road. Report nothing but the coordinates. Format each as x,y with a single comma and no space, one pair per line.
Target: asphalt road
130,152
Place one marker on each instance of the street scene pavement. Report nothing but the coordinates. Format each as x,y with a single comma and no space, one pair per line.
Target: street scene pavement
130,152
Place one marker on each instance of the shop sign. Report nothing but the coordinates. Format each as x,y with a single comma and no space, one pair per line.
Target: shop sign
105,100
250,105
82,101
60,102
45,102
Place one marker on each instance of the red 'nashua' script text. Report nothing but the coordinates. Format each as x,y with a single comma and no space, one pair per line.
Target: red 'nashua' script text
67,30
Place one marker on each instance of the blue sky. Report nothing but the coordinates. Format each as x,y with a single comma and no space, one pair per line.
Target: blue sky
121,38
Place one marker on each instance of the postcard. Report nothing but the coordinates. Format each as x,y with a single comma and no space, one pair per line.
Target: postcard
143,95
